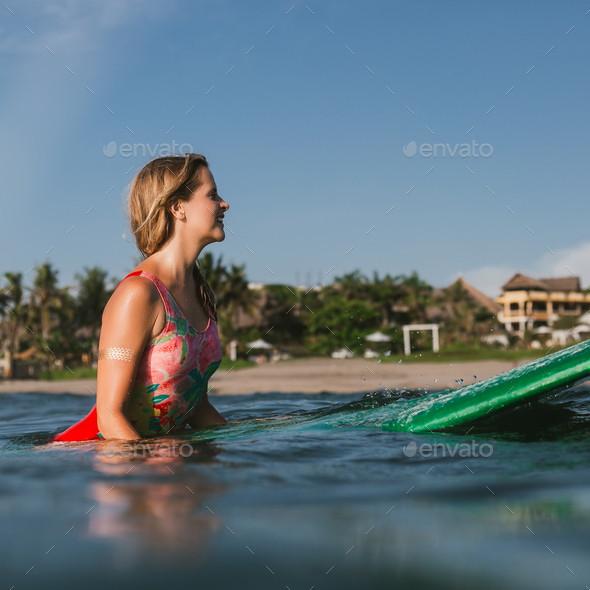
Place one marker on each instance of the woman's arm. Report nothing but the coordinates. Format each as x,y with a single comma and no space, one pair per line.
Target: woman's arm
205,414
132,315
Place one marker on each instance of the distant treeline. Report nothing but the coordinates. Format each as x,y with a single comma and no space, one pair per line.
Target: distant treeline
64,323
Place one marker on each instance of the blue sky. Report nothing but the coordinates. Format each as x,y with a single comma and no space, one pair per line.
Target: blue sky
305,134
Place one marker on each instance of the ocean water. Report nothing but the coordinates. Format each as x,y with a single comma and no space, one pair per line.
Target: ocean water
305,491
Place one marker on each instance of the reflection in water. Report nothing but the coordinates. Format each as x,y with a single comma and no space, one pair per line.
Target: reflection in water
154,509
301,487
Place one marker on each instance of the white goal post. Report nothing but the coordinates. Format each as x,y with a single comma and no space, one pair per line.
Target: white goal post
410,327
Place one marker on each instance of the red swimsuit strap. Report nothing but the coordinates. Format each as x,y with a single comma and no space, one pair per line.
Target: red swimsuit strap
162,290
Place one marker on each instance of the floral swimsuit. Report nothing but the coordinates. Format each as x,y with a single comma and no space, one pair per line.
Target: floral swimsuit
172,375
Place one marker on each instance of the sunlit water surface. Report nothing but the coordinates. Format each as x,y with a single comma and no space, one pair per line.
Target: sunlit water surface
315,495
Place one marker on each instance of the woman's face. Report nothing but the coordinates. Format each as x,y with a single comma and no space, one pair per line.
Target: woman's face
204,212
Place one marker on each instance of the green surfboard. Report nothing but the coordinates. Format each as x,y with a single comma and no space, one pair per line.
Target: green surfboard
457,406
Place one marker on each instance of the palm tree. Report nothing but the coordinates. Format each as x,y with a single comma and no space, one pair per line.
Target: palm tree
231,292
352,285
62,342
46,296
385,293
213,270
417,296
93,295
236,297
15,311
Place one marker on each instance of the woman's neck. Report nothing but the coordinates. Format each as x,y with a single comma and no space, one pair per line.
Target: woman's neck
175,266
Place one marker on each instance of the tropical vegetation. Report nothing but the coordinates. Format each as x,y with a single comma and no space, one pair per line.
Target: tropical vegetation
60,325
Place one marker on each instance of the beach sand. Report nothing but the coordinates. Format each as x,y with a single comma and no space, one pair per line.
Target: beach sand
310,376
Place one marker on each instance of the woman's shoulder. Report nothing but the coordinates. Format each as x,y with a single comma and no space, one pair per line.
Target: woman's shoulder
134,313
137,294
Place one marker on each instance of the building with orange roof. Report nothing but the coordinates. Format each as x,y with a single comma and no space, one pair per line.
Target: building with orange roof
529,303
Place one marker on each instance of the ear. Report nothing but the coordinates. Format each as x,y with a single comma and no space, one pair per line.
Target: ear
177,210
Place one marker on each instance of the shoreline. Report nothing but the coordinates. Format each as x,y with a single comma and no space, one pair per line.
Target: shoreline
310,376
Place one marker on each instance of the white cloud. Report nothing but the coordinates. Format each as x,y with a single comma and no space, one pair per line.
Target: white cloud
69,25
576,260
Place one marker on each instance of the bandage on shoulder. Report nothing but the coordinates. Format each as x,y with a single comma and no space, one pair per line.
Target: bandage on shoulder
117,354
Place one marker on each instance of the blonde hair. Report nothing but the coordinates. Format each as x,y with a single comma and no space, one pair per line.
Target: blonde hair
157,186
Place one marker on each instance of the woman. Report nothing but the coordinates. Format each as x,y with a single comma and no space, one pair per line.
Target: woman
159,344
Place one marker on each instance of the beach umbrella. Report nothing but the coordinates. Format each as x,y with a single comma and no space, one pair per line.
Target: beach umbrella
342,353
259,344
542,330
378,337
581,328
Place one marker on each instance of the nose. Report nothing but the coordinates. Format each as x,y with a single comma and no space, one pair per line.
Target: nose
224,205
